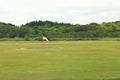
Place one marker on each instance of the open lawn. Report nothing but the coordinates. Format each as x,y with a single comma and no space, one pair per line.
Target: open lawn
81,60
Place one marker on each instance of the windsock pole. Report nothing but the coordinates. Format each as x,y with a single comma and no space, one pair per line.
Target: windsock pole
42,42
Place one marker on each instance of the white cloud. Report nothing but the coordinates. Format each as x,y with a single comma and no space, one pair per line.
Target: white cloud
72,11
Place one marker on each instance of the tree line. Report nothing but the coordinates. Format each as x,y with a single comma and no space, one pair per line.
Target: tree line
37,29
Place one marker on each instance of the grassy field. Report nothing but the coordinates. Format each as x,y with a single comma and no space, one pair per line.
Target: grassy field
81,60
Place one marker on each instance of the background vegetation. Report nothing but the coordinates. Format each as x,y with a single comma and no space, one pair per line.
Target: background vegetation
60,31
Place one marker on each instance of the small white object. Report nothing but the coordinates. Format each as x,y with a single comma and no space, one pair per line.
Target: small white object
45,38
21,48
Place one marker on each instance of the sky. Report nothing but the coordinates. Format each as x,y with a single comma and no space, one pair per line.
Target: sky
19,12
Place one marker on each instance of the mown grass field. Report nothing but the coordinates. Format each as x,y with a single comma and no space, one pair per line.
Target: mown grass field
81,60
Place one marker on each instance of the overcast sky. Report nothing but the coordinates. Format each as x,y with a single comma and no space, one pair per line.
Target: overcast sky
69,11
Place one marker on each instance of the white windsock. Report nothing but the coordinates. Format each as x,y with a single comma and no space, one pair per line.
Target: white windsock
45,38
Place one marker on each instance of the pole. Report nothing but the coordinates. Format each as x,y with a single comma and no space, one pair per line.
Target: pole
42,43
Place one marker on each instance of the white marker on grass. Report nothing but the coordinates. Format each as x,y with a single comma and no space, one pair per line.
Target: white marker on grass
21,48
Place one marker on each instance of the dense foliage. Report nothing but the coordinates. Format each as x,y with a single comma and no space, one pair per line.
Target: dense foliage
36,29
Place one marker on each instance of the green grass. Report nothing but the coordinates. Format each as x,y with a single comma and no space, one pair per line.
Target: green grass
81,60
